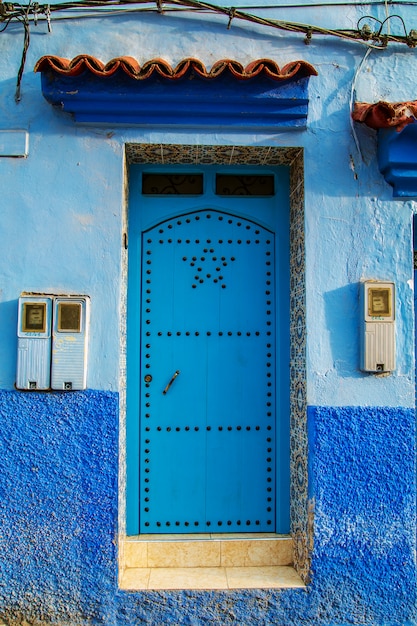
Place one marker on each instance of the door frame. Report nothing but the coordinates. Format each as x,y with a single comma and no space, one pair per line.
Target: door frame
133,297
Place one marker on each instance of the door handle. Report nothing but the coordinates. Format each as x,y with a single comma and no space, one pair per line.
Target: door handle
170,382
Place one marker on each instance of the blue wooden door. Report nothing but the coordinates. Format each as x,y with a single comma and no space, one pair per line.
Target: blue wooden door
207,414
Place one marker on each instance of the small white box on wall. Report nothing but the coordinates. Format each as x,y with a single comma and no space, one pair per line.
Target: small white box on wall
34,343
378,326
69,343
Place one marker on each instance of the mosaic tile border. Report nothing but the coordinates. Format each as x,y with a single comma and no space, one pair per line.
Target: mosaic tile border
302,513
167,154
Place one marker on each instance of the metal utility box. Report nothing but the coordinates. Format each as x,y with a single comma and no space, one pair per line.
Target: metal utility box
69,343
378,326
34,343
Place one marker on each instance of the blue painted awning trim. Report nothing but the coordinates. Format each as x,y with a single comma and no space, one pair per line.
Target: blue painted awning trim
259,103
397,159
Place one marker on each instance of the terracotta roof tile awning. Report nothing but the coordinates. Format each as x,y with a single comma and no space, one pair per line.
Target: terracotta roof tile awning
259,95
129,65
385,114
397,140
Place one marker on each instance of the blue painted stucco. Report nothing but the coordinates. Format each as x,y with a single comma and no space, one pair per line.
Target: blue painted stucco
58,503
260,103
58,523
362,464
397,161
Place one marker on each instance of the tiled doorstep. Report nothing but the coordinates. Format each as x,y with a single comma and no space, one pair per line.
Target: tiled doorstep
207,551
207,562
159,578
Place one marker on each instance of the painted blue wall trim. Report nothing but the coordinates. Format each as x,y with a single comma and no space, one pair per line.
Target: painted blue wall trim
58,523
397,159
258,103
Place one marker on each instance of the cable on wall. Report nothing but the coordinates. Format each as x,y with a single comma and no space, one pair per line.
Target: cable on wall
376,34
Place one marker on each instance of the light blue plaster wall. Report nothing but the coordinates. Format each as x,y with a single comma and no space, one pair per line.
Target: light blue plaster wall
61,233
63,205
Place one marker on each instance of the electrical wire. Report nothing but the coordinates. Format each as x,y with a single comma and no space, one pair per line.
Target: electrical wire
26,43
387,15
366,36
352,96
368,3
200,5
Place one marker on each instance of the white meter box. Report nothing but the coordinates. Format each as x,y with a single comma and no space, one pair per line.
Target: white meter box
34,343
52,342
69,343
378,334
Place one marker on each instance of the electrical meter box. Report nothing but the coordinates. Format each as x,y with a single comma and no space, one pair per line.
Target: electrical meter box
34,343
69,343
378,333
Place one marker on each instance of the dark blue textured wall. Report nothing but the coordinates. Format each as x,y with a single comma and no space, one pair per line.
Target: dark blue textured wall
58,505
363,481
58,514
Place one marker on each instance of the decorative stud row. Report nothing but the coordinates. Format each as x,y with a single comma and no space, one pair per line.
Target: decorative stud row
209,523
208,216
205,251
208,333
197,428
169,334
198,241
220,333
